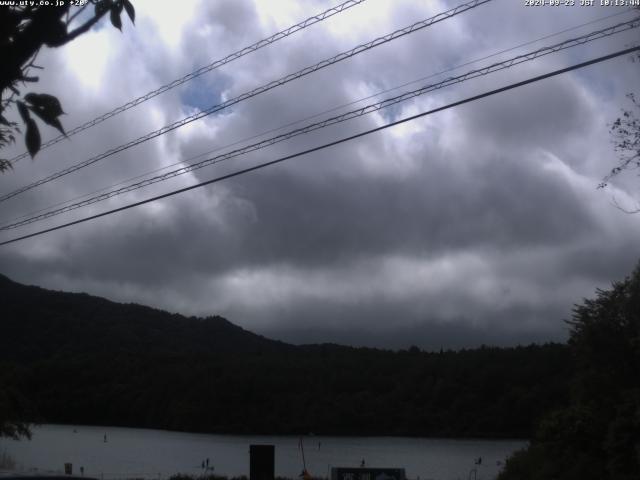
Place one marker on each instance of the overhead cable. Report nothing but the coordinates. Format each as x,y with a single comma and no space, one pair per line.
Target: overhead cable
200,71
327,145
374,107
315,115
252,93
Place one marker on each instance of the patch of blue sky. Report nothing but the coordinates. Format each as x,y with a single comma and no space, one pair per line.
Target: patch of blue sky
202,93
393,112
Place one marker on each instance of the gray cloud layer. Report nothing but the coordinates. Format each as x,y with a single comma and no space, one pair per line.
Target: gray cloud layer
480,224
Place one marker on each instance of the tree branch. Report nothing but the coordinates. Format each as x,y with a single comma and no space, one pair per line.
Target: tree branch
621,208
83,28
78,12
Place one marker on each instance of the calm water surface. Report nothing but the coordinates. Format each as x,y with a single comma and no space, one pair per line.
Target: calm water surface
153,454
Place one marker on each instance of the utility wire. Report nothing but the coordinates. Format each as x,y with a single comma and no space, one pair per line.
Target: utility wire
201,71
621,27
330,144
269,86
316,115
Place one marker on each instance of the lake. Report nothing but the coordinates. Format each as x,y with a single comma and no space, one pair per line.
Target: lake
154,454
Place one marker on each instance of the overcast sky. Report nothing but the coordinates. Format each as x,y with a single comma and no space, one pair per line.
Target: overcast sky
479,224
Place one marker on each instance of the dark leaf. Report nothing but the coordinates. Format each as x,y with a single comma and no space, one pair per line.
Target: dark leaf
130,10
55,33
48,119
115,18
32,138
23,111
43,101
4,121
5,165
101,7
56,124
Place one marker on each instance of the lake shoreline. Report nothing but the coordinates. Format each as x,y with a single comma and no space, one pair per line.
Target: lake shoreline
124,453
288,435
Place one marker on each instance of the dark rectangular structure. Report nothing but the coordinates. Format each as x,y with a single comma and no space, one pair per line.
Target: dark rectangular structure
261,462
340,473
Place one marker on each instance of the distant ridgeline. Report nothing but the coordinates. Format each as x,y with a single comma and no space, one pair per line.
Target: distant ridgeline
80,359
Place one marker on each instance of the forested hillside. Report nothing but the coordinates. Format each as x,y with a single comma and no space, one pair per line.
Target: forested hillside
596,436
81,359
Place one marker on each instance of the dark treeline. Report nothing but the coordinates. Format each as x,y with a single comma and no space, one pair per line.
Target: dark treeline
73,358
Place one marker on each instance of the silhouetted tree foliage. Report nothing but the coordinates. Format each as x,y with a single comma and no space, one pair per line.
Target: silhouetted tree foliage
83,359
13,407
24,30
625,134
596,435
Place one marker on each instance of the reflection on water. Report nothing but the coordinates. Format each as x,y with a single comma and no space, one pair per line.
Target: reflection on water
108,452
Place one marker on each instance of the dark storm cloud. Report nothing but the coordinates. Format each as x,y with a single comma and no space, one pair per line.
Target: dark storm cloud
276,216
536,116
425,318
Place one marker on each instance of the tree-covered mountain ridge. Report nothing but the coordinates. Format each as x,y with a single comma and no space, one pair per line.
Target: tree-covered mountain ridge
41,323
76,358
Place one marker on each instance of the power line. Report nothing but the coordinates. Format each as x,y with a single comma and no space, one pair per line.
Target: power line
316,115
624,26
330,144
201,71
269,86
